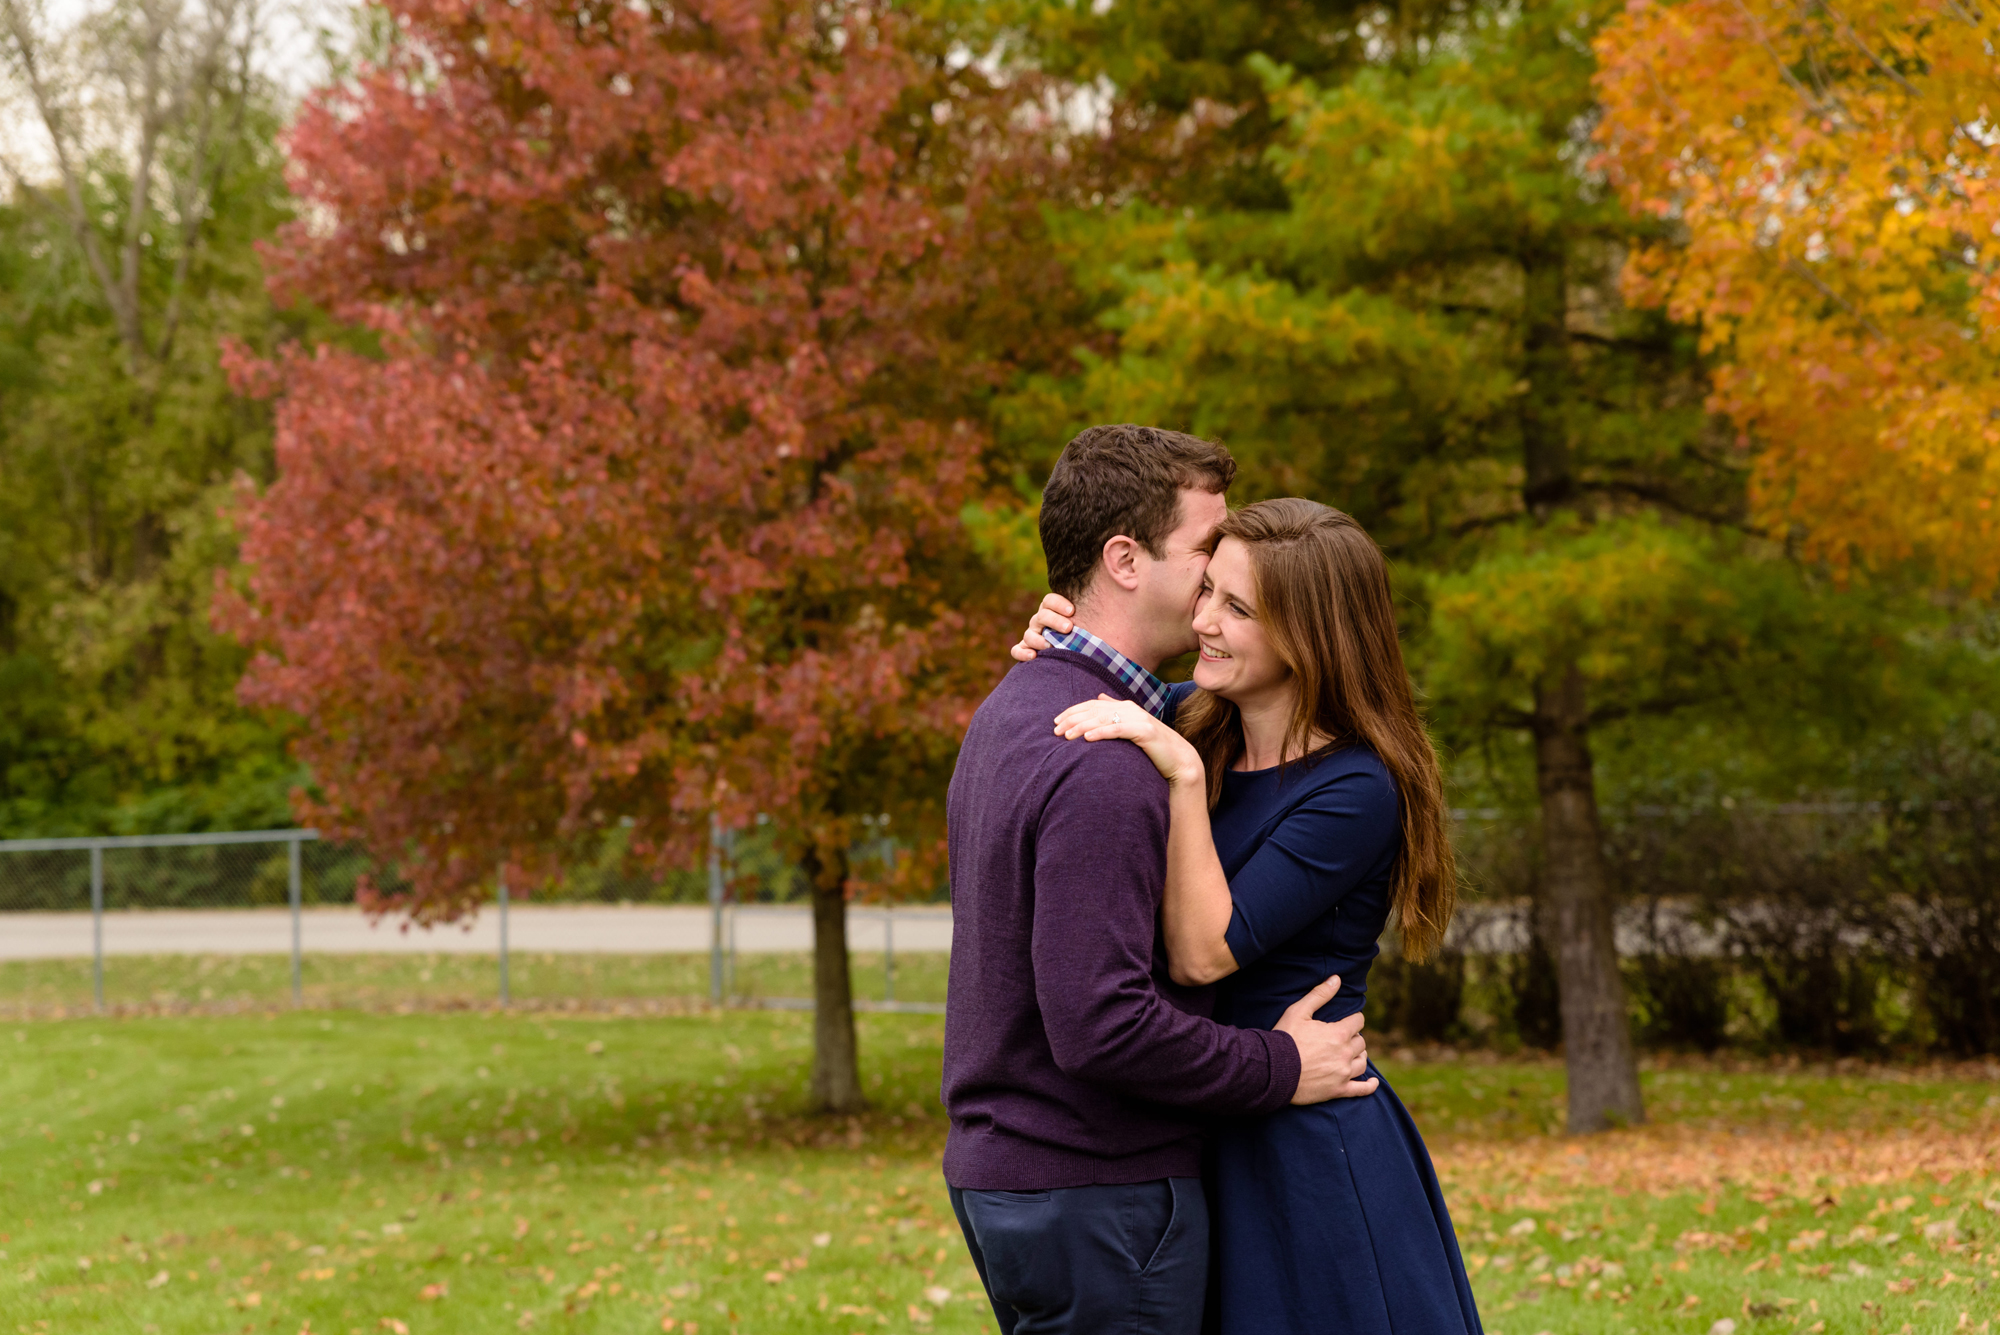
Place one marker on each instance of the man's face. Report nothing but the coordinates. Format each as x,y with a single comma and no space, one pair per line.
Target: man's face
1170,585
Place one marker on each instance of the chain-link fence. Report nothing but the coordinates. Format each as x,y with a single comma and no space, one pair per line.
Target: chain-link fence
1859,926
263,918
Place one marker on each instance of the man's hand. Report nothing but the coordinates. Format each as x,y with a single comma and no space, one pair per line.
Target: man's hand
1332,1057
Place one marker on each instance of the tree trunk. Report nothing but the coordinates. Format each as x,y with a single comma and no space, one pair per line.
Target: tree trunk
1549,471
836,1073
1597,1041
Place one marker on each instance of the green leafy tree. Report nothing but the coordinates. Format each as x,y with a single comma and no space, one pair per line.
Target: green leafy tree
1389,282
126,248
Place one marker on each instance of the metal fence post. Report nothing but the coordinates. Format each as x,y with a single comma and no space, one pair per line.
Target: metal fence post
888,954
729,957
292,850
506,998
715,910
97,925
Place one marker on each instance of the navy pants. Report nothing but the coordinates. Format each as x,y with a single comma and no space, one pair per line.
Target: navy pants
1105,1260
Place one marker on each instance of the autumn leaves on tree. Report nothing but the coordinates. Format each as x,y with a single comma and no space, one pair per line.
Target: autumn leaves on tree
692,338
1826,174
647,509
1392,275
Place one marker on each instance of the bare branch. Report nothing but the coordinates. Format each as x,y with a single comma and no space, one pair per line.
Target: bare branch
1667,499
26,49
1651,709
178,74
1793,265
197,189
1813,100
1854,39
140,188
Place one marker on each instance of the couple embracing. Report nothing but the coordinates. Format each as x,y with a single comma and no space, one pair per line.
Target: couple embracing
1165,903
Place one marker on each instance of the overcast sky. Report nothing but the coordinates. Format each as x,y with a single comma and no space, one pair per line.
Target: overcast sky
290,55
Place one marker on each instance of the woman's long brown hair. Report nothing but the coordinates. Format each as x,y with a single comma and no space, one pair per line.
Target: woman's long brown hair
1323,598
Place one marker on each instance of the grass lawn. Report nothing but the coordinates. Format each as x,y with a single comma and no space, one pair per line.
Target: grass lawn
478,1171
31,989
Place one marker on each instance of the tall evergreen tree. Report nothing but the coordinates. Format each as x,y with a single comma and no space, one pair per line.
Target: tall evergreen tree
1365,248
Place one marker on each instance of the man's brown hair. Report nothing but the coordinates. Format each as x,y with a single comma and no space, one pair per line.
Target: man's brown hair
1121,480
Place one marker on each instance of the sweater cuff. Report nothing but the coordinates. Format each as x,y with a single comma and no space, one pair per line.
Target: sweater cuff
1285,1070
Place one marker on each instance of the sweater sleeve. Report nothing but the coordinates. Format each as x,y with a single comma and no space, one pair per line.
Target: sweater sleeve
1333,841
1100,874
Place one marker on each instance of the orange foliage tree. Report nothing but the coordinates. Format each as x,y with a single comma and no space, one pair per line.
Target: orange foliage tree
1824,177
648,508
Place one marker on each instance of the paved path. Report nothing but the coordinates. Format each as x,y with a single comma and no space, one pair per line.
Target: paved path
636,929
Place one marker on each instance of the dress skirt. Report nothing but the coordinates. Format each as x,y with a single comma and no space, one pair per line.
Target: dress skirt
1328,1219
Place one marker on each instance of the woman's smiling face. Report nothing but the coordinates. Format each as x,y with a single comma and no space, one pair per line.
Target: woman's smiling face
1238,661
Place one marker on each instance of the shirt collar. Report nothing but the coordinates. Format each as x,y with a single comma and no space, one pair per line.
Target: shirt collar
1151,693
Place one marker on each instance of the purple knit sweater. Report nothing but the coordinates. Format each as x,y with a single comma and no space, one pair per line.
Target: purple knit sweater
1070,1058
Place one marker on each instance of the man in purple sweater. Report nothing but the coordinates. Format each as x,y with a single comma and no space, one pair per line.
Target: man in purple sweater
1076,1073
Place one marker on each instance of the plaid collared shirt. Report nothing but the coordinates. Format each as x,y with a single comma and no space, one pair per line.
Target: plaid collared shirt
1149,690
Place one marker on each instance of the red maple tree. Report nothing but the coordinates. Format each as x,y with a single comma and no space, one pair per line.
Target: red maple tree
647,507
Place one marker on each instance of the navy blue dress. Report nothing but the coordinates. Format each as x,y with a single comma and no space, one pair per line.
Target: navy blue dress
1327,1218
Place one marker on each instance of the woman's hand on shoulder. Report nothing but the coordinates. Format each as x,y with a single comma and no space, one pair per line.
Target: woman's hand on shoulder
1054,614
1107,718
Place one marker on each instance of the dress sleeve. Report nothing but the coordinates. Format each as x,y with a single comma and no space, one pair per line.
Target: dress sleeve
1177,695
1325,847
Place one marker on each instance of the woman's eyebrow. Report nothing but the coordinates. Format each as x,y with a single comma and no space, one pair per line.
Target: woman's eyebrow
1233,597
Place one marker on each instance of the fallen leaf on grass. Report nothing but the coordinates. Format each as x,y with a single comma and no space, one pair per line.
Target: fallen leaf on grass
937,1297
430,1293
1674,1158
394,1326
158,1281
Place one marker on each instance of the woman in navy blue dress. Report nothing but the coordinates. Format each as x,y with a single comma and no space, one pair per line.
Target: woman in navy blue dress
1308,814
